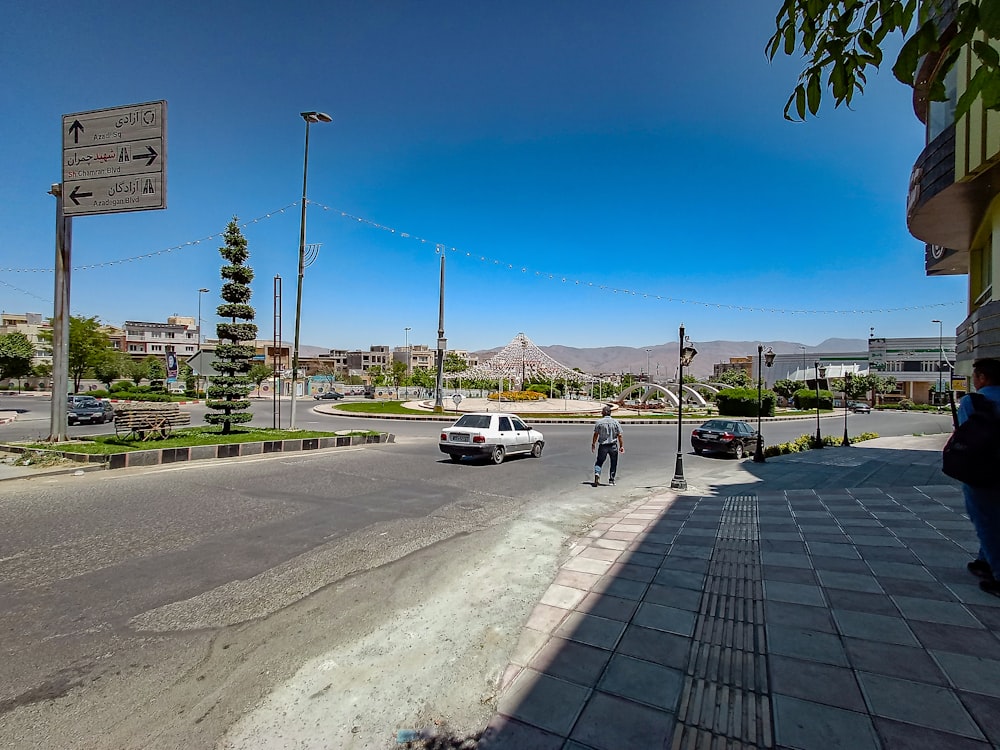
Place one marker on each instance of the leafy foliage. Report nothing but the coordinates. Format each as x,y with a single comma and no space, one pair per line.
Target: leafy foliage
15,355
227,394
88,344
786,388
735,377
841,39
742,402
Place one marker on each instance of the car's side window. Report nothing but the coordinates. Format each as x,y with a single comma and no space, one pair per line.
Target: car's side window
504,424
519,425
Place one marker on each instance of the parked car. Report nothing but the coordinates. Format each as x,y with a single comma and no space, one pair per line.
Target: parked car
329,395
724,436
494,435
89,410
859,407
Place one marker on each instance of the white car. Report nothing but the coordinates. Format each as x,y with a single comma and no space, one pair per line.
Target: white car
490,434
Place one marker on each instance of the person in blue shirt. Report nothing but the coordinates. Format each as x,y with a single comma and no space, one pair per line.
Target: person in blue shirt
983,503
607,442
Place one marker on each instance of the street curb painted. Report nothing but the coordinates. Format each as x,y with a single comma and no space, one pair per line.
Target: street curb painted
159,456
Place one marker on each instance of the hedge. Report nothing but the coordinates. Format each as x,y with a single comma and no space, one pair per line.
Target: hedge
742,402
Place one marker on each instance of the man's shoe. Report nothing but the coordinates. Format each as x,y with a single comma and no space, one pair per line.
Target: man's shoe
980,569
990,587
597,479
611,481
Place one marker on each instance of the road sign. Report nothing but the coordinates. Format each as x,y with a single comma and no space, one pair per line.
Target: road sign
115,159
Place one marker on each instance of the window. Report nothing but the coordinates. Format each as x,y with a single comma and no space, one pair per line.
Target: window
942,114
981,273
156,334
519,425
170,334
504,424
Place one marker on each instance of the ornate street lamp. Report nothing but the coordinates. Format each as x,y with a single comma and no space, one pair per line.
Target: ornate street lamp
847,390
758,455
310,118
940,367
820,373
687,353
201,338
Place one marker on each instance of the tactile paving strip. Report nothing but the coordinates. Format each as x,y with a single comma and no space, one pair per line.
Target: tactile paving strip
725,702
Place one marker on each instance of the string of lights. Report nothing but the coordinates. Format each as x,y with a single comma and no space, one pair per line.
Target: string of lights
565,279
154,253
558,277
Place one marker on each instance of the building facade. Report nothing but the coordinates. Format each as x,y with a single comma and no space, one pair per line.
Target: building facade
954,184
178,335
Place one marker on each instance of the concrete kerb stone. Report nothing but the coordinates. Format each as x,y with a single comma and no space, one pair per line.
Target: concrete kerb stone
159,456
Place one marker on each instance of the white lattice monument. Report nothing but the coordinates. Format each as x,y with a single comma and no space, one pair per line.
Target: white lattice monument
521,360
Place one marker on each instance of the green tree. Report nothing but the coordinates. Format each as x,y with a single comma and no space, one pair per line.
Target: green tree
137,370
229,390
735,377
155,369
42,370
454,363
786,388
397,373
15,355
258,373
87,345
109,366
425,378
840,39
874,384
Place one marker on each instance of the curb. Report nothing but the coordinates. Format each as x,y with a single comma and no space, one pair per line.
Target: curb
158,456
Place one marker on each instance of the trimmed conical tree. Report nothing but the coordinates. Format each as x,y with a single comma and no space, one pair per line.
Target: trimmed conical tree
227,394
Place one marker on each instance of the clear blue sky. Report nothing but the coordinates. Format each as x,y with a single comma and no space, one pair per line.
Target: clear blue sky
560,151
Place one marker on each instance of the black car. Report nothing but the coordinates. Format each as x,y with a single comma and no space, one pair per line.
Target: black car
329,395
724,436
89,410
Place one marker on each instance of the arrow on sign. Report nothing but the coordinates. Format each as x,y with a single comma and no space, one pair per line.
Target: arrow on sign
77,194
151,156
76,128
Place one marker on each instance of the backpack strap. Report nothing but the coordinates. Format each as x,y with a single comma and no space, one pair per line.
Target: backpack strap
981,403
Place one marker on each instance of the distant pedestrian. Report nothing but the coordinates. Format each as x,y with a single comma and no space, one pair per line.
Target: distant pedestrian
607,442
983,503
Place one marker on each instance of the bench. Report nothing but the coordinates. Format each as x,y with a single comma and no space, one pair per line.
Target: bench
149,420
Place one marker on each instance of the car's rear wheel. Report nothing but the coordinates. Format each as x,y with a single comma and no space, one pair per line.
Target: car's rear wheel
498,455
536,450
738,450
699,451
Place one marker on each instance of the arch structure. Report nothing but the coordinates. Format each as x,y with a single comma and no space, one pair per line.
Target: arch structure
521,355
654,389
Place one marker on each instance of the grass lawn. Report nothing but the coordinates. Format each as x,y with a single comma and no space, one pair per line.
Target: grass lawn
182,438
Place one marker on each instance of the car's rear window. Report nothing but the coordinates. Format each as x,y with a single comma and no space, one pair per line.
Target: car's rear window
479,421
719,424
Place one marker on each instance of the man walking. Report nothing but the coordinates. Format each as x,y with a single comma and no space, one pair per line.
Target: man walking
607,442
983,503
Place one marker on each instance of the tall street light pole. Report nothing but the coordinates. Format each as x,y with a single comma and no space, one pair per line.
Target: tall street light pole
686,354
442,344
940,357
310,118
758,454
406,345
200,337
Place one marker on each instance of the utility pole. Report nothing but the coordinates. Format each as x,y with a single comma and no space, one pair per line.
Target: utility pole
442,344
60,320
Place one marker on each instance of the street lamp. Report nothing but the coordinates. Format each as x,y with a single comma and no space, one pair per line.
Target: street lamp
847,390
758,455
200,338
524,353
820,373
686,354
310,118
647,366
940,357
406,345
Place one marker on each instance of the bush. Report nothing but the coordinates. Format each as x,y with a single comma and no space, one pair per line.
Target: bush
805,442
806,399
742,402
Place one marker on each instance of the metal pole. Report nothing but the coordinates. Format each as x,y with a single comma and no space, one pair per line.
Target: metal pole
819,438
758,455
847,441
302,271
60,320
441,343
679,482
276,357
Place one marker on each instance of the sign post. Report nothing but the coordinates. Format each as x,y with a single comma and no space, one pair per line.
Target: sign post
113,160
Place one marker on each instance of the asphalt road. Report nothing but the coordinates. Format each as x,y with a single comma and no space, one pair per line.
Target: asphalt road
153,607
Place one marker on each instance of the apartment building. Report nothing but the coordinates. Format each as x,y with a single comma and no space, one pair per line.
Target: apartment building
30,324
954,184
179,335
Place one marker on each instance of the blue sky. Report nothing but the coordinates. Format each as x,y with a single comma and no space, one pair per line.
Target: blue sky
586,167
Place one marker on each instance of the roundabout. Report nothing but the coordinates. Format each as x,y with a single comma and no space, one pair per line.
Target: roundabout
542,407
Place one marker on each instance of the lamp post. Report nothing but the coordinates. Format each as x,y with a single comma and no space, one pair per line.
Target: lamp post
758,455
820,373
406,345
847,408
685,355
200,337
647,366
310,118
940,357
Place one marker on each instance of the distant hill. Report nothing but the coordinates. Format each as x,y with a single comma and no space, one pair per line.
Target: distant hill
626,358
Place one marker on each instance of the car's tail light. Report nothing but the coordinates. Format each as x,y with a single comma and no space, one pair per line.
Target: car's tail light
444,436
478,438
727,436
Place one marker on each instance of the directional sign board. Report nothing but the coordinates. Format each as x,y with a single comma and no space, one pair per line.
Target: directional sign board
115,159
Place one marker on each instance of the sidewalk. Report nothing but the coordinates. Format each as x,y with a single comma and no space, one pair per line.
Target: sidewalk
818,601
